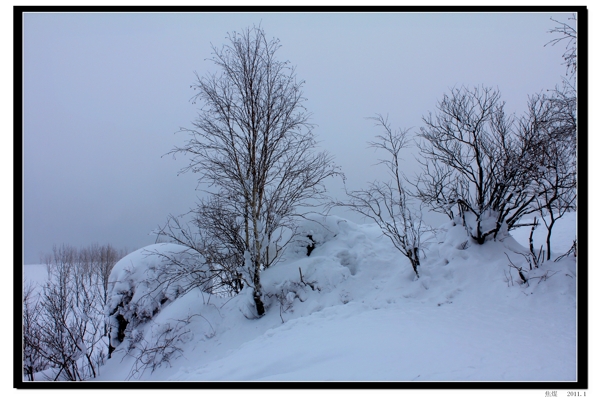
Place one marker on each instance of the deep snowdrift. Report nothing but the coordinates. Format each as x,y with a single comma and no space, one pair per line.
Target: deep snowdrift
359,314
468,318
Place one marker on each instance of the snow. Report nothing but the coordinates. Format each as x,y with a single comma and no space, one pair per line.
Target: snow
35,274
136,274
354,311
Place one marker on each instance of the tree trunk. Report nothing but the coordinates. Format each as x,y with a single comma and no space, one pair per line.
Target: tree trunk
260,306
550,226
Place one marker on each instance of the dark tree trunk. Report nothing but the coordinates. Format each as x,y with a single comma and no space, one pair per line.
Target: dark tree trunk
260,306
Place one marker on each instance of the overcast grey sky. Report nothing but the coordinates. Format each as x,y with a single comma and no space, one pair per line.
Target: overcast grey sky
104,94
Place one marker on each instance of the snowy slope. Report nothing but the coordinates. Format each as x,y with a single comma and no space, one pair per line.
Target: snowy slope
467,318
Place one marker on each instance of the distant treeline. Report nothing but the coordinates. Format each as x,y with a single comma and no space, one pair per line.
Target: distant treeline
64,330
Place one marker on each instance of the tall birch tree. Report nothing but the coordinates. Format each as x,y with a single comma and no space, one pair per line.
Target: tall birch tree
253,144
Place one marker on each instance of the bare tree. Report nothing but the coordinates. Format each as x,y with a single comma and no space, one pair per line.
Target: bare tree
213,231
387,203
567,34
65,329
475,160
71,319
60,344
561,126
495,168
105,257
223,242
551,125
253,144
33,360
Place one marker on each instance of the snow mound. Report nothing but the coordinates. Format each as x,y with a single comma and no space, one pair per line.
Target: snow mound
354,310
145,281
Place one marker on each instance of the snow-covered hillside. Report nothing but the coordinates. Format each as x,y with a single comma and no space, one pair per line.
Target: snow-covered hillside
354,311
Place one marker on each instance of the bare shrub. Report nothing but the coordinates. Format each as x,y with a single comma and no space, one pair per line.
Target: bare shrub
388,204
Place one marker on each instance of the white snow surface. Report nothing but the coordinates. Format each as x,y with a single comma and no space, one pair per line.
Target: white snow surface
467,318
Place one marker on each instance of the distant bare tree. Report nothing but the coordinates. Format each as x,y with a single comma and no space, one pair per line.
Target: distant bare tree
95,264
64,330
253,143
71,320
